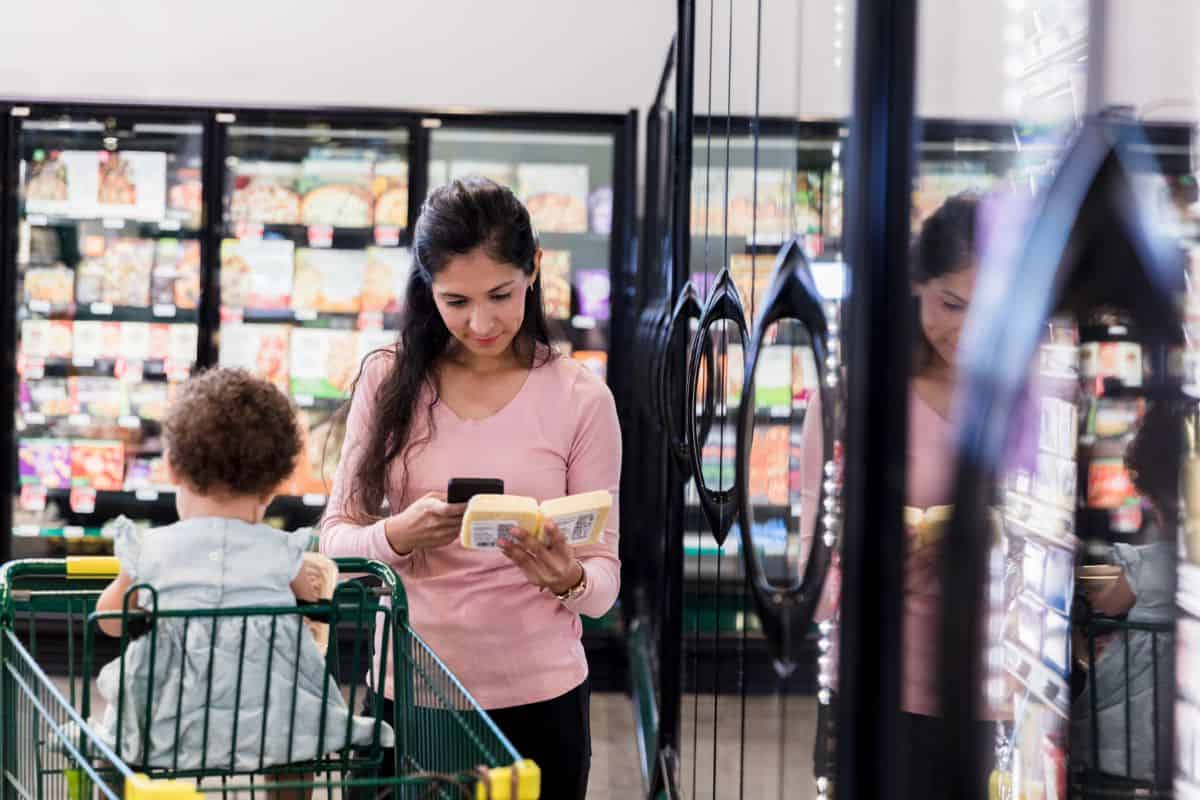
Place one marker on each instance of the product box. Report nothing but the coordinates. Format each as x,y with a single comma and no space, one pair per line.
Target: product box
336,192
805,382
808,201
768,221
264,192
556,196
593,287
1119,360
90,183
89,279
1029,624
498,171
187,275
127,267
147,472
1033,566
385,278
98,397
323,362
50,397
261,349
148,400
176,277
183,345
556,283
773,380
135,342
390,188
43,338
1059,583
158,342
1109,483
1056,644
595,360
44,462
98,464
752,276
600,210
256,273
53,285
329,280
320,450
185,195
95,341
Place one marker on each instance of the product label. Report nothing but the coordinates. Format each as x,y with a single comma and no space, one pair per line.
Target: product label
487,533
576,528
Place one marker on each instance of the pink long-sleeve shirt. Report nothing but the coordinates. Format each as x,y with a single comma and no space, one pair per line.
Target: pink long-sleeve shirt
930,483
507,642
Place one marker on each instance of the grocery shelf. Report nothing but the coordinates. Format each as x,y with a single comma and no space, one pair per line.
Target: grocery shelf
1039,679
164,313
320,236
142,229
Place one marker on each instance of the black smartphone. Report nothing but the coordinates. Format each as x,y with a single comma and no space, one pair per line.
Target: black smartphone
460,490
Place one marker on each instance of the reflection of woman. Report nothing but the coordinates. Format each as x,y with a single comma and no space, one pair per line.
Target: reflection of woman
943,279
472,389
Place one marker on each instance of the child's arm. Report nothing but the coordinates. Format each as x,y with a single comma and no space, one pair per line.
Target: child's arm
307,583
111,599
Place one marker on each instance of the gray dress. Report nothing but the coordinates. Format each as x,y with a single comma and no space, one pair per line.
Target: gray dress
214,563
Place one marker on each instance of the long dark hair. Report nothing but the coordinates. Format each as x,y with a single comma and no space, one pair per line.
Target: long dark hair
455,219
945,245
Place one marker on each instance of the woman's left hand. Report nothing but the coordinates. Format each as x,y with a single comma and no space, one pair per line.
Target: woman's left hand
547,564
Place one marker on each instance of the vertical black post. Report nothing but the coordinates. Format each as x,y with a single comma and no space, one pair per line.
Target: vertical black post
621,253
418,172
214,175
8,328
877,234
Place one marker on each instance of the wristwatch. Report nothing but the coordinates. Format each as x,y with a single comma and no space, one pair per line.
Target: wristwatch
577,589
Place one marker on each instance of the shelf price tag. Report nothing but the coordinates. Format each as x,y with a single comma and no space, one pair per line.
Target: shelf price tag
34,418
83,499
128,371
248,230
314,500
32,368
165,310
387,236
370,321
304,314
130,421
169,225
37,220
101,309
113,223
583,323
232,315
73,531
33,497
305,400
320,236
39,306
146,495
27,530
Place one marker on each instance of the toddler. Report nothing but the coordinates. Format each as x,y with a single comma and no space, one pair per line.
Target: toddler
231,439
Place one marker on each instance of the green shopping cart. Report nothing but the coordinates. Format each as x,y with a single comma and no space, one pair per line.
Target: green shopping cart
445,744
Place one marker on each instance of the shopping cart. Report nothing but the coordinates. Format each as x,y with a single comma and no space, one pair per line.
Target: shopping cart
446,746
1123,717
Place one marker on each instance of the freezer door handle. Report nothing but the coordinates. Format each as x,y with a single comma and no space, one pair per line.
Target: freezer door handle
786,610
670,400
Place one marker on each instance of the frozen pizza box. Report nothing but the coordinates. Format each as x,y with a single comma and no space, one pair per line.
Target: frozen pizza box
50,397
385,278
321,447
43,338
46,183
556,196
336,192
96,341
54,285
256,273
183,344
261,349
176,277
135,341
323,362
390,188
127,267
329,280
264,192
147,472
89,280
98,397
44,462
556,283
185,194
89,184
98,464
148,400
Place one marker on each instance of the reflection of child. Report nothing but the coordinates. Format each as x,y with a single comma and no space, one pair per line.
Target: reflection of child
231,440
1142,594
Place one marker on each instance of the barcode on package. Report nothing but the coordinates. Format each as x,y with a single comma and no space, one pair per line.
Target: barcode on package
487,533
576,528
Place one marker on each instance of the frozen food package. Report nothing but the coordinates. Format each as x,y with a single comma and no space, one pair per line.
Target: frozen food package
127,267
95,341
158,342
184,345
261,349
321,446
135,341
385,278
600,210
187,275
54,285
98,464
390,187
43,338
336,192
807,204
148,400
752,275
165,272
329,280
45,462
131,184
50,397
256,273
595,360
47,181
556,196
97,396
323,361
767,221
147,472
89,281
265,192
556,283
500,172
593,287
185,196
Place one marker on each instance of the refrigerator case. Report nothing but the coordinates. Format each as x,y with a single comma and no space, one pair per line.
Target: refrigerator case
107,241
314,255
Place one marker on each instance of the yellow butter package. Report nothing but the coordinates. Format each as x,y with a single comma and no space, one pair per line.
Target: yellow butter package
580,517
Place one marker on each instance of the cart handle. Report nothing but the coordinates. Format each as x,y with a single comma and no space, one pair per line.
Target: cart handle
93,567
521,781
141,787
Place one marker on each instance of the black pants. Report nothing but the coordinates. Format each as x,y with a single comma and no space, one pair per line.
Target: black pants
556,734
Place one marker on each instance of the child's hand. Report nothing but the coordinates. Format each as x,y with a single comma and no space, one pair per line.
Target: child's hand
307,583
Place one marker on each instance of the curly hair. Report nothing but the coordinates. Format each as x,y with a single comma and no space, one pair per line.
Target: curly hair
229,432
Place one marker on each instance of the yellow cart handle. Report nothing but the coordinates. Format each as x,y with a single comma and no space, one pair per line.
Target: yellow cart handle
521,781
139,787
93,567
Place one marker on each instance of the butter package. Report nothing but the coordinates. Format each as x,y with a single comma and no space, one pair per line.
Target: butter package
490,517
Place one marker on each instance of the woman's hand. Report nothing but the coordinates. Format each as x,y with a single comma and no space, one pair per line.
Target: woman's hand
429,522
548,564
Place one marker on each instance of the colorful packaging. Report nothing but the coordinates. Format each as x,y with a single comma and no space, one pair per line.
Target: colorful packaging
385,278
44,462
183,345
96,341
147,472
323,362
390,187
43,338
187,275
89,280
768,222
595,360
329,280
752,275
165,272
261,349
594,289
265,192
158,343
127,267
99,397
556,283
556,196
336,192
54,285
148,400
185,195
256,273
50,397
98,464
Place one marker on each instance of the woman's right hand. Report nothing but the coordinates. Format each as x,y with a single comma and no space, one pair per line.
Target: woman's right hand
429,522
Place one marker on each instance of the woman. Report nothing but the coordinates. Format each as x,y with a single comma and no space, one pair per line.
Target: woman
473,389
943,270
